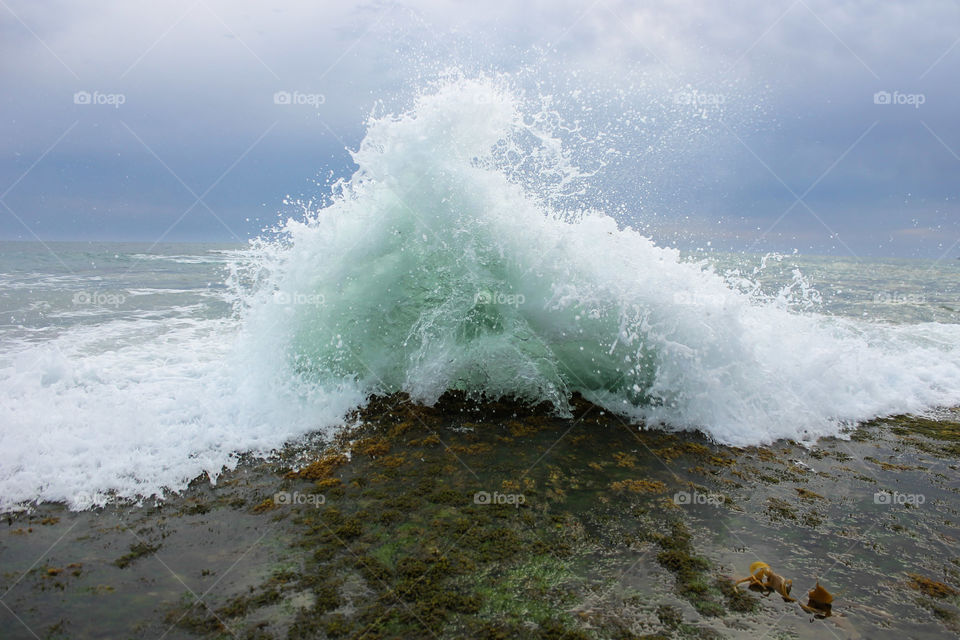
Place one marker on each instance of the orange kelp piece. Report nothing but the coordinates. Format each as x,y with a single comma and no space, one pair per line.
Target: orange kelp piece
756,566
818,602
820,595
761,575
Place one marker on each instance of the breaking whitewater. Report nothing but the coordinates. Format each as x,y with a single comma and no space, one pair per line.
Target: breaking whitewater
448,261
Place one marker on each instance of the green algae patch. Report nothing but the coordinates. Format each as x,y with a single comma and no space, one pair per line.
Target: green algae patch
736,600
639,486
266,505
691,570
936,437
137,551
807,494
780,509
321,468
929,587
534,589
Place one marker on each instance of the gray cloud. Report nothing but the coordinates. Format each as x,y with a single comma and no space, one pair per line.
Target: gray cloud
198,81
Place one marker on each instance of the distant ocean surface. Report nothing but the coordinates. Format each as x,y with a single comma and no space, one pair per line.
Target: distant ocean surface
48,289
454,259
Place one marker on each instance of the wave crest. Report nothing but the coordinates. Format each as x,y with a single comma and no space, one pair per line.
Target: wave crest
442,265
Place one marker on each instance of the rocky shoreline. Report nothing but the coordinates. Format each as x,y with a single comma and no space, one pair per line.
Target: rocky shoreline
503,521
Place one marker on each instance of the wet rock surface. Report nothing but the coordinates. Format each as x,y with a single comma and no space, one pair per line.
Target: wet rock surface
503,521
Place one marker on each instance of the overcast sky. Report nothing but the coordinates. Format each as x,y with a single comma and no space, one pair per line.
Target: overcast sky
182,138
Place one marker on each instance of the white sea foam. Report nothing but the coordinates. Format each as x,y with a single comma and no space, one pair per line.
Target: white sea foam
136,408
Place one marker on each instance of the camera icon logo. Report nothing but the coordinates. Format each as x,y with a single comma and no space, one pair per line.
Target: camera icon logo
81,97
881,97
282,97
882,497
682,497
481,497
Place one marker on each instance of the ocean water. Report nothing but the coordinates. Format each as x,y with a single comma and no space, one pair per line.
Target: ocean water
443,263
